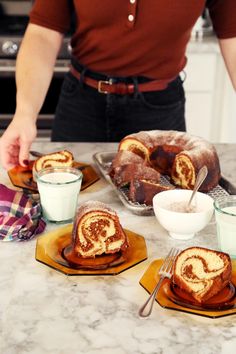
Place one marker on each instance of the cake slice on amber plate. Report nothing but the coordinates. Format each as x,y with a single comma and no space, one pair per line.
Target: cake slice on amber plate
97,231
63,158
202,272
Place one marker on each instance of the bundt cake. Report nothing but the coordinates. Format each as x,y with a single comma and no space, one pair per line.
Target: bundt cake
127,166
202,272
123,158
97,231
128,170
135,172
55,159
143,191
177,154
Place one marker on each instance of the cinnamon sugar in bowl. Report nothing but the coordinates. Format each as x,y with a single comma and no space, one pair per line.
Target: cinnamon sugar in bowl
170,208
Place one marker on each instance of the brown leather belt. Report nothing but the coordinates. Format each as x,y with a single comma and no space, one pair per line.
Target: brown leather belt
121,88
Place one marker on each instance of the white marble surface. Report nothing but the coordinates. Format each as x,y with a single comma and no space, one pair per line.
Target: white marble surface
44,311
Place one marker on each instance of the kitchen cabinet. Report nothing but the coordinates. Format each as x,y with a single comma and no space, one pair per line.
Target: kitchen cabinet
209,93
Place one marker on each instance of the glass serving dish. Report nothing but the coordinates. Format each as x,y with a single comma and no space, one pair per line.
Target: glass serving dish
51,250
22,176
171,297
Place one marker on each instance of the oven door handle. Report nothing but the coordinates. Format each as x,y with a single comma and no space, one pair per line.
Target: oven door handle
11,69
7,69
61,69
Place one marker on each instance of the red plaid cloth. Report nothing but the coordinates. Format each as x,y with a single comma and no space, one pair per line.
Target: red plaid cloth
20,217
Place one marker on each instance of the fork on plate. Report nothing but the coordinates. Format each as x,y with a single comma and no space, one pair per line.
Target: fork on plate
165,271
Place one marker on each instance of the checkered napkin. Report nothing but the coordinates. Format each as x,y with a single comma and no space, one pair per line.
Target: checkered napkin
20,217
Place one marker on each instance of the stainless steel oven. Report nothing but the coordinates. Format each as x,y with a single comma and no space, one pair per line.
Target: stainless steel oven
13,22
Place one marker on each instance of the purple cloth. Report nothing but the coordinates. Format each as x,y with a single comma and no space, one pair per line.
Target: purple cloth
20,217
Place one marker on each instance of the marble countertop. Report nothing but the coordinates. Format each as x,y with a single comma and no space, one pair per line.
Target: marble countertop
45,311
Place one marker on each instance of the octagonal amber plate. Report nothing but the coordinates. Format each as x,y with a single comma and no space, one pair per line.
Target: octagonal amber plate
223,304
22,176
49,251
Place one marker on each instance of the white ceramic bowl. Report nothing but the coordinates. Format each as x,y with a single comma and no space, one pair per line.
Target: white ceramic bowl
180,224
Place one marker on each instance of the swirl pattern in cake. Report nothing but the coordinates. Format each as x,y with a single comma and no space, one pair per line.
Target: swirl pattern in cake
177,154
97,230
63,158
202,272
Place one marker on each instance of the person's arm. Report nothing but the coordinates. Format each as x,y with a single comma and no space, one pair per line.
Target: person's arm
228,49
34,70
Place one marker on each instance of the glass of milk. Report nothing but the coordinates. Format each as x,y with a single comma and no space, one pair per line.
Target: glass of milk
225,214
59,189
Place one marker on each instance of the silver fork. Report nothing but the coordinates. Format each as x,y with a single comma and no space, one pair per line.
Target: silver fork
165,271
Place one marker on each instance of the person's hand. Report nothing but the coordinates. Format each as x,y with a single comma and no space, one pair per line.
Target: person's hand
16,141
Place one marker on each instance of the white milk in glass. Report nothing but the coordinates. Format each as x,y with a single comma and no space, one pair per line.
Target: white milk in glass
59,190
226,229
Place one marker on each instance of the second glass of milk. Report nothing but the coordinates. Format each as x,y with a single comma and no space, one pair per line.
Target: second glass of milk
225,214
59,189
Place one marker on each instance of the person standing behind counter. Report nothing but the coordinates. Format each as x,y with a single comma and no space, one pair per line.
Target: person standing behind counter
126,59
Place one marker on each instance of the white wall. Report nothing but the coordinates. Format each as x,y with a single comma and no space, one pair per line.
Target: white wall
210,97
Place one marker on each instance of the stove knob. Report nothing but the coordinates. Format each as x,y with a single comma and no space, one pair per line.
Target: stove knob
9,48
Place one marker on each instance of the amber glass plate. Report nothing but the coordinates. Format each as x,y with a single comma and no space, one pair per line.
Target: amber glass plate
171,297
50,250
22,176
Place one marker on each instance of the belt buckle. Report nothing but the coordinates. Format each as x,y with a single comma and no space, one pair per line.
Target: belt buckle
104,82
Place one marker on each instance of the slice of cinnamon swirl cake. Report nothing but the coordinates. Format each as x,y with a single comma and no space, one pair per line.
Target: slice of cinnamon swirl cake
202,272
62,158
97,230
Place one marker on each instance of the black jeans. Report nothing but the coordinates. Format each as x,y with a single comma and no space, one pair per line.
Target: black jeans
83,114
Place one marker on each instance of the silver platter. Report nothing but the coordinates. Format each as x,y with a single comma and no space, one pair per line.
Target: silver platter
103,161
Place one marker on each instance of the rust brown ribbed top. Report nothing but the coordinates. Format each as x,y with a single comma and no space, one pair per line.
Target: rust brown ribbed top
134,37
